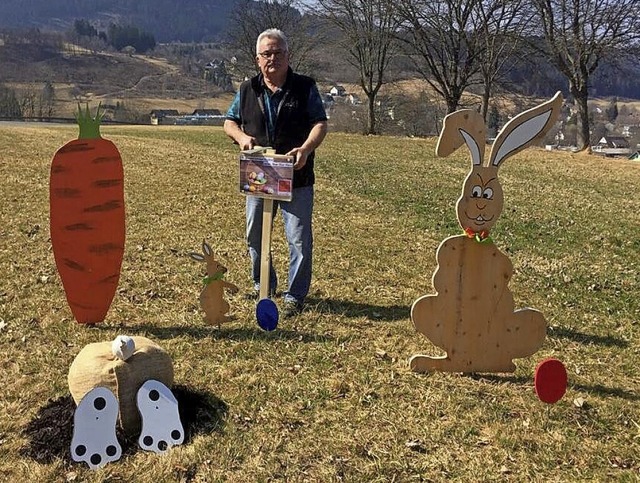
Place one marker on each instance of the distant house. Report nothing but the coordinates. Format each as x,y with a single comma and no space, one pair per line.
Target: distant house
216,72
328,101
202,117
617,142
612,146
630,130
338,91
206,112
163,116
353,99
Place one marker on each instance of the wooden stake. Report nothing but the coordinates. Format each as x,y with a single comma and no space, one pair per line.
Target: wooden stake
265,253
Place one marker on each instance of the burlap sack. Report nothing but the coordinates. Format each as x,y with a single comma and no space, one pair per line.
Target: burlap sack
96,366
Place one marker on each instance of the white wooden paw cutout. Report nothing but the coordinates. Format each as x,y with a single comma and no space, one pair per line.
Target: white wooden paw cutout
161,426
94,429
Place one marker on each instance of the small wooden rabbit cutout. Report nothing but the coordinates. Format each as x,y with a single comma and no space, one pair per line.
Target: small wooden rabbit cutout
472,316
212,296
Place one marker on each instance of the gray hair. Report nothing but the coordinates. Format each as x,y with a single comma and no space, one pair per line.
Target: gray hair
273,34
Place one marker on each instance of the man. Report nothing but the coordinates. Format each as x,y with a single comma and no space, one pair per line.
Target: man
283,110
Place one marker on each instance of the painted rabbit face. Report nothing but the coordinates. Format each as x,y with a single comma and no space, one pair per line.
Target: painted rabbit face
214,267
481,201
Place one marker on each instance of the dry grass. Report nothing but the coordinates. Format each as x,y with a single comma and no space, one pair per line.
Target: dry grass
328,396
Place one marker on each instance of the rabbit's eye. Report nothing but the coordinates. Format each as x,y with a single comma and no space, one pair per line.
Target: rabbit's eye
476,192
487,193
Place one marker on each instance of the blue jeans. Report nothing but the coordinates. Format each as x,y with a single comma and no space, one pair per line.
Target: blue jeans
296,215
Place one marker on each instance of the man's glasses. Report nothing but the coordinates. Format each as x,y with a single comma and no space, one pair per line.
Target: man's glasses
276,54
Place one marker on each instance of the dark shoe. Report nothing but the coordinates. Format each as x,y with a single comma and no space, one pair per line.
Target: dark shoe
292,308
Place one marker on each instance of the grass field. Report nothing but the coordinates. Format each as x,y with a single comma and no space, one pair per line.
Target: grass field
328,396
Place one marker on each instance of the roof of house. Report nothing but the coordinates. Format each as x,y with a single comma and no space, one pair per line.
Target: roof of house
615,141
164,112
206,112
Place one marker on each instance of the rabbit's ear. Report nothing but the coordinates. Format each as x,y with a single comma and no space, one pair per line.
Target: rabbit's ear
206,248
464,126
524,129
196,256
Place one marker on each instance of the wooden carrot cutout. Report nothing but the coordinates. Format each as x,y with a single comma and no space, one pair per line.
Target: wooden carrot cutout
86,197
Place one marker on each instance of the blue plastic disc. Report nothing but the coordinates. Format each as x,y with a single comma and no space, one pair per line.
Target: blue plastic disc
267,314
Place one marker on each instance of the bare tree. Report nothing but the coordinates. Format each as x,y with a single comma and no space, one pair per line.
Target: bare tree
369,38
28,102
444,43
248,19
578,35
46,101
501,24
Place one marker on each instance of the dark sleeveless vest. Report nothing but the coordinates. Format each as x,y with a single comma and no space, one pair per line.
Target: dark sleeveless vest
292,126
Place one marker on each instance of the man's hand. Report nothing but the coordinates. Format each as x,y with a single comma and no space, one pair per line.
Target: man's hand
301,157
232,130
246,142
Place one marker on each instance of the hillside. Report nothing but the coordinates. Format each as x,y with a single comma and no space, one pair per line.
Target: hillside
141,83
200,22
172,77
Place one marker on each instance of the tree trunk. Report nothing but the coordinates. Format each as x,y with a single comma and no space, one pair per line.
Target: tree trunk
452,104
486,95
371,120
581,96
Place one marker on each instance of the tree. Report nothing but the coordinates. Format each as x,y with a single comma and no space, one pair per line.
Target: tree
444,42
9,104
83,28
493,121
46,101
577,35
415,115
500,25
612,110
248,19
121,37
369,38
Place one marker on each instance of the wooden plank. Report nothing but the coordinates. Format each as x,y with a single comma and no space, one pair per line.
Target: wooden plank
265,249
472,316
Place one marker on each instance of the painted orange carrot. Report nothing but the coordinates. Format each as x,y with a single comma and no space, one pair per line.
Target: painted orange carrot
86,197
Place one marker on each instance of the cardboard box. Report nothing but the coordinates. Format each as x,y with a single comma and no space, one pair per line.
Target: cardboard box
266,175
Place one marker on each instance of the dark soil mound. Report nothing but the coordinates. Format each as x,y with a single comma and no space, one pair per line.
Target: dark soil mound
51,431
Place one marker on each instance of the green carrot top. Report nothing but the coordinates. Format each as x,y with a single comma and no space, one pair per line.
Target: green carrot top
89,126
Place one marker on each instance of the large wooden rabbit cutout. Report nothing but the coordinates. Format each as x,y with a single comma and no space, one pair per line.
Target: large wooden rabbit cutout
212,296
472,315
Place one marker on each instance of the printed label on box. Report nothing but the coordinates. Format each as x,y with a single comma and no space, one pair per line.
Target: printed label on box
266,175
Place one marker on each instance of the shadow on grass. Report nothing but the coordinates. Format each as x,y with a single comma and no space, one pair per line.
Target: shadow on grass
355,309
581,337
224,332
597,389
601,390
50,432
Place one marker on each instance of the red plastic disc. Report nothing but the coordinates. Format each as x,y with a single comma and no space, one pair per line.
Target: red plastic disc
550,380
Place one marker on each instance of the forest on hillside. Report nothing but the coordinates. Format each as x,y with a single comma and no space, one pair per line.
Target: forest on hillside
167,20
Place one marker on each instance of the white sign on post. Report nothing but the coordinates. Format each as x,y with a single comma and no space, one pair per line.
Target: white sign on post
266,175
